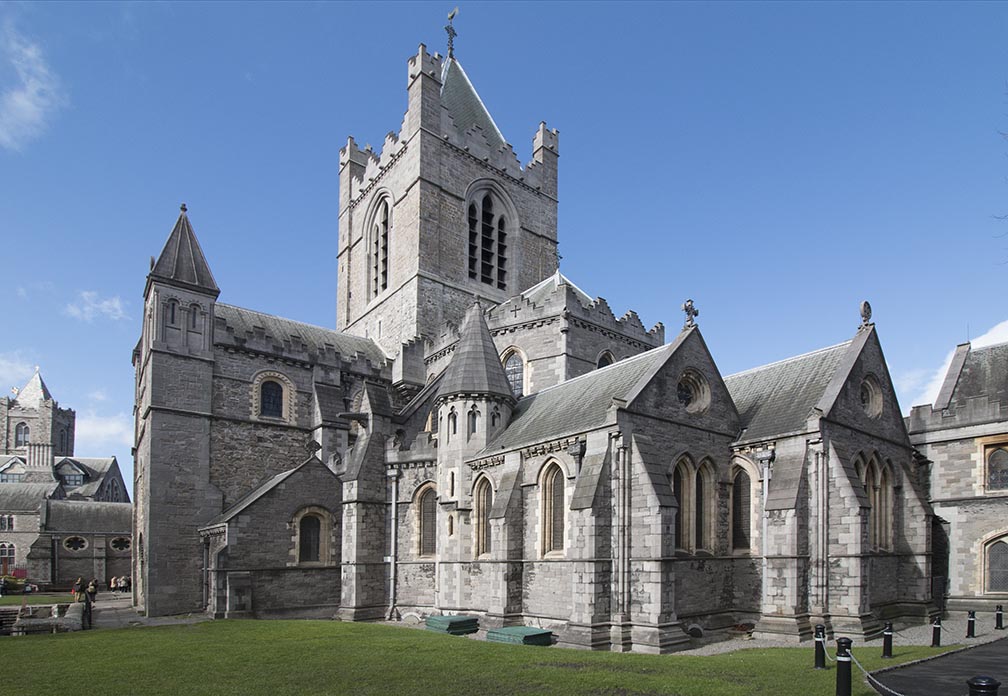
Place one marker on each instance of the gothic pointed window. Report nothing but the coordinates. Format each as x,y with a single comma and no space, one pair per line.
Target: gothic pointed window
514,370
6,559
271,403
677,491
700,511
488,239
380,226
997,469
427,504
473,421
741,511
553,509
484,504
605,359
309,536
997,566
21,432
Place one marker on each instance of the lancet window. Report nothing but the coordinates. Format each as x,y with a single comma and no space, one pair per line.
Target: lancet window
488,240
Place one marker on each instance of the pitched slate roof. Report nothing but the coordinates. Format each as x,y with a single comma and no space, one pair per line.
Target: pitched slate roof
255,495
87,516
976,372
540,293
96,469
33,393
778,398
241,324
580,404
182,260
24,497
465,106
475,367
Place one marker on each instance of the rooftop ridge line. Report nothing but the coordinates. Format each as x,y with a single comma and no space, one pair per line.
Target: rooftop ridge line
786,360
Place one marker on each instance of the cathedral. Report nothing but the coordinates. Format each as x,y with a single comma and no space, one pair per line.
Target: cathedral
478,435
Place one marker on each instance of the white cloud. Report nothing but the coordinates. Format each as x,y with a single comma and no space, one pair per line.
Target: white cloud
14,371
31,92
95,434
98,395
928,394
89,305
22,293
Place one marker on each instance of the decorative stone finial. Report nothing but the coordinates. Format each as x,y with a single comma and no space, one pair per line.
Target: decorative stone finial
865,313
450,30
691,313
183,208
37,368
15,391
312,447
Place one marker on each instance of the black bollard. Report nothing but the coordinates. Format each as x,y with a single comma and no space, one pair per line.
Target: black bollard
820,646
983,686
971,625
936,633
887,640
999,618
843,667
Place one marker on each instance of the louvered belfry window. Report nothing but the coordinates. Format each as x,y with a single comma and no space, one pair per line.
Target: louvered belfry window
380,247
741,494
488,242
428,523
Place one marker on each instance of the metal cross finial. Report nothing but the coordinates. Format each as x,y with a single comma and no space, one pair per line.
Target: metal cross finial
865,313
183,207
450,29
691,313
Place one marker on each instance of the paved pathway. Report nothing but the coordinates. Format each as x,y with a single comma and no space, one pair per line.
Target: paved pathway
115,610
947,674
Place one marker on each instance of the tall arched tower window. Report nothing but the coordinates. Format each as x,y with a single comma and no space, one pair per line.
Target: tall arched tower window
21,433
488,240
484,503
380,226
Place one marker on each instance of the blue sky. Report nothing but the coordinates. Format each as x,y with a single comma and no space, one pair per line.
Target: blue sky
776,162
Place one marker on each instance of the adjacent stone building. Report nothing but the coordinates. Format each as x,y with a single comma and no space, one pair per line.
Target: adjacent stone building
484,437
55,508
963,441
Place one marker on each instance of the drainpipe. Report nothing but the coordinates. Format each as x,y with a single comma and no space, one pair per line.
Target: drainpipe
393,543
765,457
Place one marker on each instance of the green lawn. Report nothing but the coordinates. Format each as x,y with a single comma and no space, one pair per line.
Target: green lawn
50,599
327,657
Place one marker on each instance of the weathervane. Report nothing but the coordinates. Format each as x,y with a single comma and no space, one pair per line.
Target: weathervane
450,29
865,313
691,313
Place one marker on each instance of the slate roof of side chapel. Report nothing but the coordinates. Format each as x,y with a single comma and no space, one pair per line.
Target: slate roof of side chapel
96,468
580,404
24,497
89,516
475,367
241,324
976,372
465,106
778,398
257,493
182,260
541,292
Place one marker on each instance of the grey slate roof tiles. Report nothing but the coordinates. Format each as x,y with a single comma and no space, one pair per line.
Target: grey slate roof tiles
778,398
241,324
465,106
89,516
182,259
475,367
33,393
984,373
24,497
540,293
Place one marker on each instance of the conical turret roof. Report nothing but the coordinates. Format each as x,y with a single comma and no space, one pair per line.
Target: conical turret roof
182,260
35,392
475,367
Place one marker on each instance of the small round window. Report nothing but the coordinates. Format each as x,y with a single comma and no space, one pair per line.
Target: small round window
870,396
75,543
693,392
120,543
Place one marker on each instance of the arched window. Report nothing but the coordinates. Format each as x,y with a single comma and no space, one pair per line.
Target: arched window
21,433
309,539
997,470
553,509
194,312
6,559
488,240
879,488
495,417
427,504
484,504
678,490
271,399
452,424
514,369
703,506
605,359
871,489
699,521
997,566
473,421
380,226
741,510
171,313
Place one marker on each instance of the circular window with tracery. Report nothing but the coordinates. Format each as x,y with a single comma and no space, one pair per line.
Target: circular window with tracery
75,543
693,391
870,396
120,543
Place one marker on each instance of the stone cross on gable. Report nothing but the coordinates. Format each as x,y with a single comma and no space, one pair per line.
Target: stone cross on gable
450,30
514,311
691,313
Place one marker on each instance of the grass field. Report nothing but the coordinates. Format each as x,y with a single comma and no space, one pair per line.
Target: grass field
327,657
50,599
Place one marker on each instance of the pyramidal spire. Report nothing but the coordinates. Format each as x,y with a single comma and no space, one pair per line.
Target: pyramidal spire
182,261
35,392
465,106
475,367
